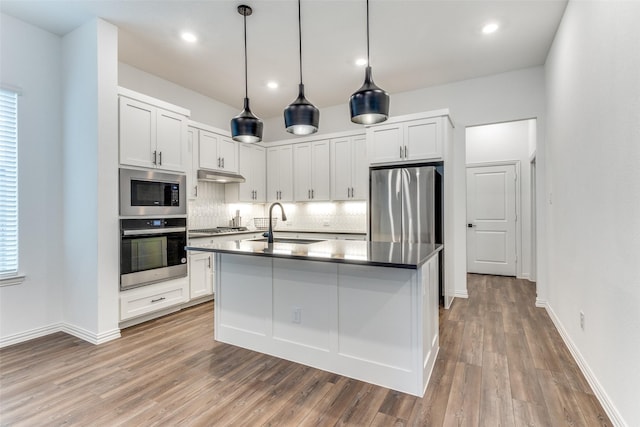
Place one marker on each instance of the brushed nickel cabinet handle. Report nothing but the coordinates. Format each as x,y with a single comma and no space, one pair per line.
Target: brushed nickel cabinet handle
159,299
160,158
154,158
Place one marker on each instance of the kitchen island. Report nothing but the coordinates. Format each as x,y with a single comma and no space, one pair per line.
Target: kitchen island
365,310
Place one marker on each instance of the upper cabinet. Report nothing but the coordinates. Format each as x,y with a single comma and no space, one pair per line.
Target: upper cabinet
407,139
252,166
349,168
280,174
311,171
152,135
217,152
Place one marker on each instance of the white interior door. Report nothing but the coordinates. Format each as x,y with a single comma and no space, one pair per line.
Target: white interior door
491,220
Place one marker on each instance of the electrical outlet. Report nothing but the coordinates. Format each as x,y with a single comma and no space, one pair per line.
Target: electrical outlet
582,321
296,315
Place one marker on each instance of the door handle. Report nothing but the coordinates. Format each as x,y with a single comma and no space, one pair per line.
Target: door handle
160,158
470,225
154,157
312,195
223,163
218,161
400,151
405,151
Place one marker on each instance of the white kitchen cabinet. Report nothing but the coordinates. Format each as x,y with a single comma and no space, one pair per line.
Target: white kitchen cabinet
151,137
311,171
192,163
349,168
406,141
280,173
252,166
148,299
217,152
200,274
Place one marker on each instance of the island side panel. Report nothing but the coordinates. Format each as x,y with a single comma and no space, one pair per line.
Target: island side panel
378,326
243,300
430,318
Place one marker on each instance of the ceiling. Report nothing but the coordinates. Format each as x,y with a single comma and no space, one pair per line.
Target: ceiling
414,44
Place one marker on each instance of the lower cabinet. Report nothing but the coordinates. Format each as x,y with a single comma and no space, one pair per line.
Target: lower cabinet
151,298
200,274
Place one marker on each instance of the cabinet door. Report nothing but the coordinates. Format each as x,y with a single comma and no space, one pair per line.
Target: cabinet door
259,173
137,133
341,164
192,162
245,167
171,135
302,172
208,150
273,175
386,143
285,165
320,171
423,140
228,152
360,169
200,275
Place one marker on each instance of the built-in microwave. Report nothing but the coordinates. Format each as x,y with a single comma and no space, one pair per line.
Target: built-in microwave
152,250
152,193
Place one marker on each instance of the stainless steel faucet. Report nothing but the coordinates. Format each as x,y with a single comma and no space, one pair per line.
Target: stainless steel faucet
269,234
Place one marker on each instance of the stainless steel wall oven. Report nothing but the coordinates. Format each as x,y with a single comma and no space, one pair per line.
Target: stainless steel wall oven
152,250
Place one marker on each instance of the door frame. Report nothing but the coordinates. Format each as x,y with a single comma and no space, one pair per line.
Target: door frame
516,164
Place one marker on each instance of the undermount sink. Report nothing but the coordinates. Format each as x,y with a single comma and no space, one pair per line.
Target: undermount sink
290,240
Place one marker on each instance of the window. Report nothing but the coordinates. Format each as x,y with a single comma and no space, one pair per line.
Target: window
8,186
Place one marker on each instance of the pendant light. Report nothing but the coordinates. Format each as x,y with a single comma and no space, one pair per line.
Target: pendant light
301,117
370,104
245,127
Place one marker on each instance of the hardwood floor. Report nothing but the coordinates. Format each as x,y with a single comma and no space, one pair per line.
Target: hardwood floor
501,363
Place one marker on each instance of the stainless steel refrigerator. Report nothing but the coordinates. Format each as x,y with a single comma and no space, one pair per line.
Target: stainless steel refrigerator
405,205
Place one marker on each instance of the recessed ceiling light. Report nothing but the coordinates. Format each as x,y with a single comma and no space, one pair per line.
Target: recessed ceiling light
189,37
490,28
361,61
272,85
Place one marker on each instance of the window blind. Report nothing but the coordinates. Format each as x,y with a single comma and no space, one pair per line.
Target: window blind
8,183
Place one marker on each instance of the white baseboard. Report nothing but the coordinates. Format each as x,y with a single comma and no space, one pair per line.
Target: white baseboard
81,333
541,303
89,336
30,334
599,391
460,294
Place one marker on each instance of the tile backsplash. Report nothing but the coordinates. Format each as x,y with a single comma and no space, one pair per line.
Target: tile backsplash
210,210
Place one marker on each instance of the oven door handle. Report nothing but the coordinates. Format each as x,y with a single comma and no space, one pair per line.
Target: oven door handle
154,231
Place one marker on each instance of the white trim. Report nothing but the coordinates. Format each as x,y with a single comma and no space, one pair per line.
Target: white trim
15,89
83,334
461,294
443,112
541,303
29,335
600,393
89,336
209,128
128,93
12,280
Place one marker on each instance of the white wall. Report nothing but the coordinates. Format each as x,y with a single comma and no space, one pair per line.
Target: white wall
34,307
510,141
498,98
203,109
90,159
593,137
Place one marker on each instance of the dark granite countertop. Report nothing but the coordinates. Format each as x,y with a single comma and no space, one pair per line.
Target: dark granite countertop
383,254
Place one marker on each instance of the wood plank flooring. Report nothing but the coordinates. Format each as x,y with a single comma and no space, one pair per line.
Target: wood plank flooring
501,363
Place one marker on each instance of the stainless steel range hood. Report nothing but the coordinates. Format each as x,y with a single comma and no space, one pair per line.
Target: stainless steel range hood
219,177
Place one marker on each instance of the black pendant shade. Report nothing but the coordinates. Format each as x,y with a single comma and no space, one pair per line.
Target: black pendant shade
246,127
301,117
370,104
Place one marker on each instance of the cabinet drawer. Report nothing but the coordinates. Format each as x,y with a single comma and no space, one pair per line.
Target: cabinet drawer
148,299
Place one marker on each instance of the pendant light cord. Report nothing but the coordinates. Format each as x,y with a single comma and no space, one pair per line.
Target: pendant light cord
368,62
246,85
300,38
